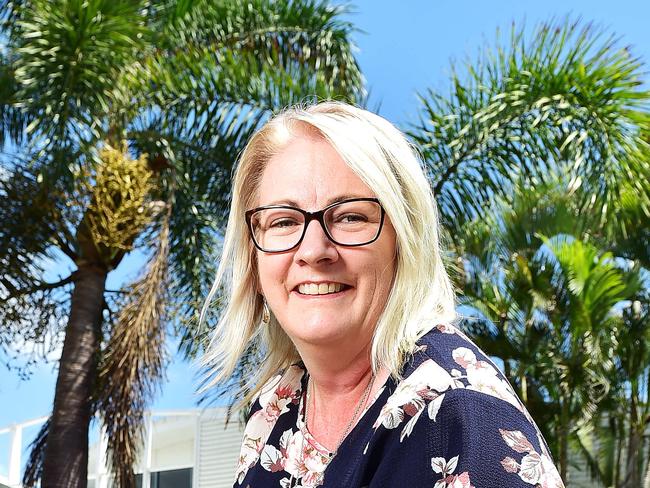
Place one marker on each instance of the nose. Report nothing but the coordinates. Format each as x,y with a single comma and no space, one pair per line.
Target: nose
316,248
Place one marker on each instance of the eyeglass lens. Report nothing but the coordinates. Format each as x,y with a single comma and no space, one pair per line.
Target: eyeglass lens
347,224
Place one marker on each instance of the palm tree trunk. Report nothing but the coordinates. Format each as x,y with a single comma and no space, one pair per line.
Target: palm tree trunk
66,455
633,474
646,482
564,457
523,381
619,452
564,441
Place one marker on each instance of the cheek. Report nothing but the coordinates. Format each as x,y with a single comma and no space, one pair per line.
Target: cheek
272,273
378,275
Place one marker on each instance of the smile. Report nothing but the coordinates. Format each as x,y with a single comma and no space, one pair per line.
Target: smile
319,288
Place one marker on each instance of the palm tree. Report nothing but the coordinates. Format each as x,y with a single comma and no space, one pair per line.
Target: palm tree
121,121
633,366
622,419
520,309
505,283
547,307
578,363
566,100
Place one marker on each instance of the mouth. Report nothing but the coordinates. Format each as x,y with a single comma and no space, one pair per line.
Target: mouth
316,289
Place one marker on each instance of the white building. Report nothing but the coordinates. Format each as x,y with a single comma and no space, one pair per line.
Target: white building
182,449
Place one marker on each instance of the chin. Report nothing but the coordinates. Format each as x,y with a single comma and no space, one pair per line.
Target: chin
320,330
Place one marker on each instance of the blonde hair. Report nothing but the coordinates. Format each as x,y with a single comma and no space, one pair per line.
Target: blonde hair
421,295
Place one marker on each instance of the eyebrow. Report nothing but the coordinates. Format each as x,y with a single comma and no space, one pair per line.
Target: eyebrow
339,198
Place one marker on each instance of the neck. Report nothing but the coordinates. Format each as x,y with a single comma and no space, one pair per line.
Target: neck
337,375
342,386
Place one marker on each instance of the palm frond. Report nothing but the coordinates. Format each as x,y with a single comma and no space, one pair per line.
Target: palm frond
34,467
592,283
200,191
68,54
132,367
31,309
572,102
10,12
12,119
263,55
287,34
631,239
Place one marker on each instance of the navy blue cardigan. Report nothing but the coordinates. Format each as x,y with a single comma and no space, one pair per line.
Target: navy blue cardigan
453,421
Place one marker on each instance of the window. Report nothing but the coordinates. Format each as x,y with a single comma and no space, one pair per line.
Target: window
175,478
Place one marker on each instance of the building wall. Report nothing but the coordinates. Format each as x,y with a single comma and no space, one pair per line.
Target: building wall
175,443
218,451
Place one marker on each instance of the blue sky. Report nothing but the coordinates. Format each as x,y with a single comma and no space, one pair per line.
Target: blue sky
408,49
402,50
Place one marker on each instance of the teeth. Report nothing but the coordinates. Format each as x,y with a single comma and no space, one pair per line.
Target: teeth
319,289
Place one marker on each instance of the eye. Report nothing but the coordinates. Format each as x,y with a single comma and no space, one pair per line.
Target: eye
351,218
283,223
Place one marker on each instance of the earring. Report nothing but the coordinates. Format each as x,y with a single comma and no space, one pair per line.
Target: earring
266,313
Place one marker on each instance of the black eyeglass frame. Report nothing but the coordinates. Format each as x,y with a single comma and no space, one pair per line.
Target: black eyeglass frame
309,216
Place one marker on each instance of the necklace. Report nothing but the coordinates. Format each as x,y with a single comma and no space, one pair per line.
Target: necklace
348,427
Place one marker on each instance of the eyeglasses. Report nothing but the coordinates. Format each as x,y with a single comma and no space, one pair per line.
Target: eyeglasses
280,228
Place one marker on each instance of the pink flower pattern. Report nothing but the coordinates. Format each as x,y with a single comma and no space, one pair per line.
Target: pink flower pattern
274,400
534,468
298,457
449,480
425,389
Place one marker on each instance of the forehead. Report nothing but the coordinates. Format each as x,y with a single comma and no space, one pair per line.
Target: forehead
309,173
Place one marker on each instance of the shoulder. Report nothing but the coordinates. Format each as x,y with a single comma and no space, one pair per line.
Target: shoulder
444,344
446,364
458,363
455,401
481,439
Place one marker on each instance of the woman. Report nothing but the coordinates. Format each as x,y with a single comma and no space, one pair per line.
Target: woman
333,270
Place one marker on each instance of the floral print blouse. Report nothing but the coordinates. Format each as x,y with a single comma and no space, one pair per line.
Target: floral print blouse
453,421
